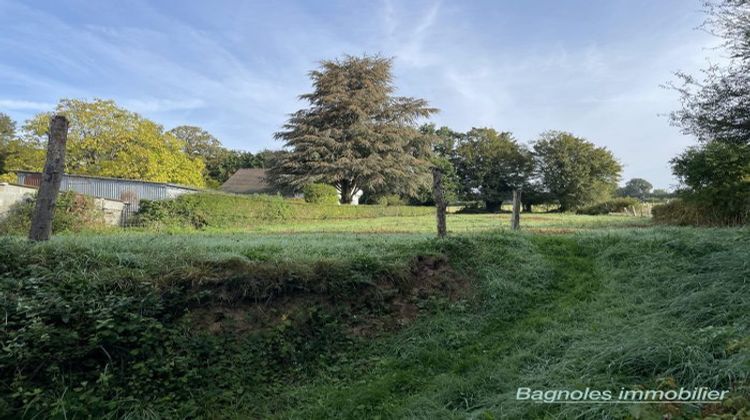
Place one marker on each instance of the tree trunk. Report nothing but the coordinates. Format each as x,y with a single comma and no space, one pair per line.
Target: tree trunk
527,207
515,221
493,206
440,204
44,211
346,190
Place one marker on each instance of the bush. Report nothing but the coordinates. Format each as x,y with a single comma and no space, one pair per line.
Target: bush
687,212
320,194
73,213
216,210
616,205
389,200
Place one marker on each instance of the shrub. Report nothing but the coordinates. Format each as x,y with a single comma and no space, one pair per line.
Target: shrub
389,200
215,210
73,213
616,205
688,212
320,194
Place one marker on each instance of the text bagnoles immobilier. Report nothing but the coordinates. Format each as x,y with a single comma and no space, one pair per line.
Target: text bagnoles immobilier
682,395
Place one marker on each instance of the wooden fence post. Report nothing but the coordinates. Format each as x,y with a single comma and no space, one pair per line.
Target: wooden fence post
515,220
41,221
439,197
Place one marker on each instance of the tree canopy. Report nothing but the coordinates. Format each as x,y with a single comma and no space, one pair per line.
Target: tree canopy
718,107
636,188
716,174
575,171
106,140
491,164
355,135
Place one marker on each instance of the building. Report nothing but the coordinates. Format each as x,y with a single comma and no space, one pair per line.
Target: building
248,181
129,191
254,181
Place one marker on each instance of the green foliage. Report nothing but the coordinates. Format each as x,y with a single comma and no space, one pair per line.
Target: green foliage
691,212
320,194
106,140
390,200
491,165
615,205
717,177
575,171
716,107
636,188
73,213
355,135
122,326
717,173
215,210
91,333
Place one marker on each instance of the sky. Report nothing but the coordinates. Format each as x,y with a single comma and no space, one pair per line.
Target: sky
236,68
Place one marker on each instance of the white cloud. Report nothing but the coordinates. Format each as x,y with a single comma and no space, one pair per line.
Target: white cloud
22,105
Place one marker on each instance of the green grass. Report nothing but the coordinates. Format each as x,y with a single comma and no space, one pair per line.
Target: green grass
607,306
661,309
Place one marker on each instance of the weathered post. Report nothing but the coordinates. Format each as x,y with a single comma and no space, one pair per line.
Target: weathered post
515,220
41,221
439,197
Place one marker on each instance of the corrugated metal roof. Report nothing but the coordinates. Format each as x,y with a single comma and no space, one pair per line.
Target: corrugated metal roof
128,190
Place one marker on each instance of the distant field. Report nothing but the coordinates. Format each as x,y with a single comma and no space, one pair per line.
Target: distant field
457,223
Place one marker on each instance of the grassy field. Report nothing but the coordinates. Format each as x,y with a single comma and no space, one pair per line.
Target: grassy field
329,321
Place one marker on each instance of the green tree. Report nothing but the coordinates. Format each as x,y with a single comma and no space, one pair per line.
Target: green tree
491,164
575,171
199,143
637,188
356,135
7,134
717,108
18,153
106,140
716,174
7,128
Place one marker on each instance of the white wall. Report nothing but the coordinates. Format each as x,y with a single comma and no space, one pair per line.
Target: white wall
11,194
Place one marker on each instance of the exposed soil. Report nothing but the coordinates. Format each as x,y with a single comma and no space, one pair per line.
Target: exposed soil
385,305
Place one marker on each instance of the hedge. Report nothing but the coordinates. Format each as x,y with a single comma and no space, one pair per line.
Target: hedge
236,211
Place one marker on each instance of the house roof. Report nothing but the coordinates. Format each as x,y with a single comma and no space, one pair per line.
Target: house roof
247,181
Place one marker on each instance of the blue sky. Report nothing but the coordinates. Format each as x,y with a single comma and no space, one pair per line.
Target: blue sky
235,68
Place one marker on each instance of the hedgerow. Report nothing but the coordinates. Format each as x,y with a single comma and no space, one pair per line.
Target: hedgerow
235,211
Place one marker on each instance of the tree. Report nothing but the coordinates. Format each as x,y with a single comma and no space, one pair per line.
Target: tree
491,164
7,128
637,188
716,174
199,143
7,134
575,171
16,153
718,107
106,140
355,135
